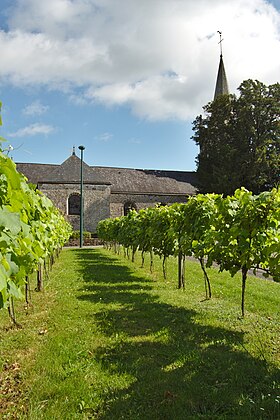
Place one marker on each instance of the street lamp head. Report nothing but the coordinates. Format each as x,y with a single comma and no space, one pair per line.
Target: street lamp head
81,147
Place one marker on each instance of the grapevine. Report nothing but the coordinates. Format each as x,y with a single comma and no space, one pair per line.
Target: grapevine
239,233
31,230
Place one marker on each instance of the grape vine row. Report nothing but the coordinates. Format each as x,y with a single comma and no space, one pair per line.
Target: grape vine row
238,232
31,230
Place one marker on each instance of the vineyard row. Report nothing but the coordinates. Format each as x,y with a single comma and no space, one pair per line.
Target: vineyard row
239,232
32,231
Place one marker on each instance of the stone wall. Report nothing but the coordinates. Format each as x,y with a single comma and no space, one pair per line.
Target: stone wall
141,201
100,203
96,202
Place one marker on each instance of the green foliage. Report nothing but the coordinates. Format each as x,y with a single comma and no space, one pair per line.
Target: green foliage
239,140
31,229
76,234
245,228
239,232
246,234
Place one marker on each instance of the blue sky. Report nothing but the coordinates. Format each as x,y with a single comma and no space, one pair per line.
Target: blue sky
122,77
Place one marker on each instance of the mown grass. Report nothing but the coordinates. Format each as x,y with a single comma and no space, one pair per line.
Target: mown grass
109,340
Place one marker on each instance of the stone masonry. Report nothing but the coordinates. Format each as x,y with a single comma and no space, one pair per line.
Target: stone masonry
107,192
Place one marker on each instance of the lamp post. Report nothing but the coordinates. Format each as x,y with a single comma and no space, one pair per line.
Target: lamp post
82,148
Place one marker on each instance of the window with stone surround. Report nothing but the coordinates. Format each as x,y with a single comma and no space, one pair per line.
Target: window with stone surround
74,204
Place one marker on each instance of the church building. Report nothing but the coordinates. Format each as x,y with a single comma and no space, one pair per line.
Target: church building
107,191
110,191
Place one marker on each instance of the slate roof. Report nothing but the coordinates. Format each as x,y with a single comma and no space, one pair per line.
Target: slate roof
148,181
122,180
69,171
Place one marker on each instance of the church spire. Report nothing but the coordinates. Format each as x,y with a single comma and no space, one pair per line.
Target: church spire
221,83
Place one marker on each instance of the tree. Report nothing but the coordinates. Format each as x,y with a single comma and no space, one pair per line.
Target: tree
239,139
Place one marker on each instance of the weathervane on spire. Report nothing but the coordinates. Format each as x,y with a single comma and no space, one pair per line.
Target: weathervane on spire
220,42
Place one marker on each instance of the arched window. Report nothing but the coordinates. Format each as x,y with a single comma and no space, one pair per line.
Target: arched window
74,204
128,206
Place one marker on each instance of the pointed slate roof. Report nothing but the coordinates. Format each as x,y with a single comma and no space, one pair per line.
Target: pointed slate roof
68,172
221,84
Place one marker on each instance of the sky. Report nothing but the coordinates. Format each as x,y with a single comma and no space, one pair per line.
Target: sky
124,78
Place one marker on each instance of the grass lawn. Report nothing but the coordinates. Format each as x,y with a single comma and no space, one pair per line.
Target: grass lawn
108,340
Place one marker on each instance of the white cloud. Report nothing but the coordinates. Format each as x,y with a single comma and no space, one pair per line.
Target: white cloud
160,57
104,137
33,130
134,140
35,108
160,97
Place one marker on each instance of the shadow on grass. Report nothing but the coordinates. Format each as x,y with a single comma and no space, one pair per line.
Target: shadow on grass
178,368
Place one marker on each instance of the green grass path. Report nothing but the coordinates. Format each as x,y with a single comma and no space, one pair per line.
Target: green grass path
108,340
